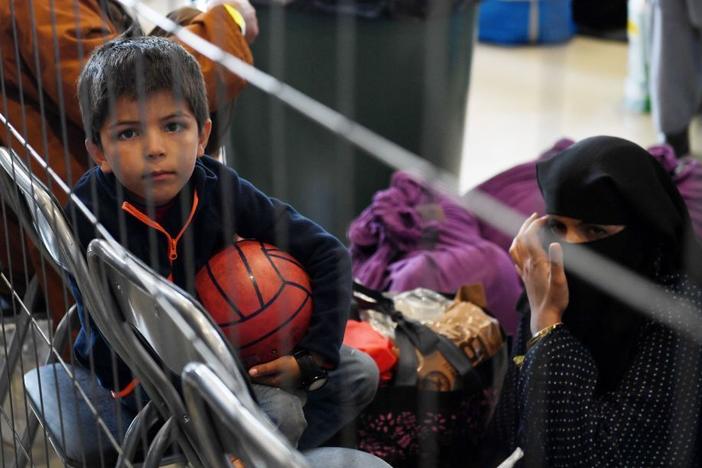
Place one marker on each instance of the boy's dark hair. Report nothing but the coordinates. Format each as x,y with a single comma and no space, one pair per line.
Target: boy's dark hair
136,67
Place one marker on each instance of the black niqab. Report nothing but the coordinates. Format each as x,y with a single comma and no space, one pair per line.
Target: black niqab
608,180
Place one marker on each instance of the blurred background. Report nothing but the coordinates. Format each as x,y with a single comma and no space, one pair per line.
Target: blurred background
476,103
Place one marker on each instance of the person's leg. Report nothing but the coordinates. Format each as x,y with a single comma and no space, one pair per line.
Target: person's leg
332,457
676,72
284,409
350,388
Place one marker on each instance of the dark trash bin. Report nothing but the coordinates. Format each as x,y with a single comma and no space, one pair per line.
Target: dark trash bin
406,67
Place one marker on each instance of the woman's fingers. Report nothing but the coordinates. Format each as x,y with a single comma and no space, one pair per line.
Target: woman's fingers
527,222
516,250
533,236
514,253
555,256
558,281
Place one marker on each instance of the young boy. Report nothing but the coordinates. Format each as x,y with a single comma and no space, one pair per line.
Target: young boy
144,109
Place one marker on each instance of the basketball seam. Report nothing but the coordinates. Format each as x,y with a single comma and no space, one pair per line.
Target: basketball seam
223,293
265,305
292,316
250,274
286,259
299,286
272,263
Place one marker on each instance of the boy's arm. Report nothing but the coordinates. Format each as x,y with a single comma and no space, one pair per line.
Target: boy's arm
69,30
324,258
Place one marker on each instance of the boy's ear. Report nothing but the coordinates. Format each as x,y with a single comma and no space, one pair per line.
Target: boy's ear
204,137
98,155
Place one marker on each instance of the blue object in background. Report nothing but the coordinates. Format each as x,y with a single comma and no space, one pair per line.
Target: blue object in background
515,22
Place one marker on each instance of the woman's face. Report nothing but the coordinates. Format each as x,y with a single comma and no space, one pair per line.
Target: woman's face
577,231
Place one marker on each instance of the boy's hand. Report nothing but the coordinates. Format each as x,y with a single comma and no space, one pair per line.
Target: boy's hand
248,12
282,372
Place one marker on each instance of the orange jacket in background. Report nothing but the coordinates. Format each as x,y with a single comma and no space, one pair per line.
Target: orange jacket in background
43,50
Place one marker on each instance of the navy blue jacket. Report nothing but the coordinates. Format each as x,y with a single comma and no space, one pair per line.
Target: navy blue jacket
228,206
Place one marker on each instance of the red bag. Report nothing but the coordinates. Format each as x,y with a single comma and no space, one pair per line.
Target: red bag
362,336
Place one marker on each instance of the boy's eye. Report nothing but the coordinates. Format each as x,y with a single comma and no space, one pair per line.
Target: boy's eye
127,134
174,126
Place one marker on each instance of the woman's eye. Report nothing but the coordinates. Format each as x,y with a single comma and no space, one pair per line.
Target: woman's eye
596,231
556,227
127,134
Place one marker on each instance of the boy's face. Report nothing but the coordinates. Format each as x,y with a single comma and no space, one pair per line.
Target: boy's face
151,148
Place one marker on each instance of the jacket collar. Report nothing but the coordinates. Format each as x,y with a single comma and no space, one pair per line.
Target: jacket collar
117,194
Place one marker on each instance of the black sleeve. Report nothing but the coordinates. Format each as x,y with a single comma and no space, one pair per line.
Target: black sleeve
325,259
650,420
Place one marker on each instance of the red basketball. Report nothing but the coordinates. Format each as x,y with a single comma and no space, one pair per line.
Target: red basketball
260,296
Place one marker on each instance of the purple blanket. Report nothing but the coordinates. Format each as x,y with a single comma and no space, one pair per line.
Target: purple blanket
411,236
687,175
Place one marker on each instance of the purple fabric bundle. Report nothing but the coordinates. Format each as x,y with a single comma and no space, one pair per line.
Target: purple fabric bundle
411,236
687,175
517,188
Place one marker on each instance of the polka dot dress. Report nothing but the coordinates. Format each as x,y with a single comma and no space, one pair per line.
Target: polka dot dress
549,408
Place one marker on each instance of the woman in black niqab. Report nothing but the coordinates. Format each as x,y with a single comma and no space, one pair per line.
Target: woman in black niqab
610,181
601,383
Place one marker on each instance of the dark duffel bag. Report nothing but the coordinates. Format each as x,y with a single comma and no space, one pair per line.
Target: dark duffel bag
412,422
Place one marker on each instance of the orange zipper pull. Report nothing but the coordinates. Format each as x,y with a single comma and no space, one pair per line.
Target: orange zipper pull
172,249
172,243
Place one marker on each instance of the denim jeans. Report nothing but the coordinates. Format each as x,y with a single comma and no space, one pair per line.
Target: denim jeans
308,419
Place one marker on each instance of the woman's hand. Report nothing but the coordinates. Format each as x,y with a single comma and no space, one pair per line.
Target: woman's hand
282,372
543,274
